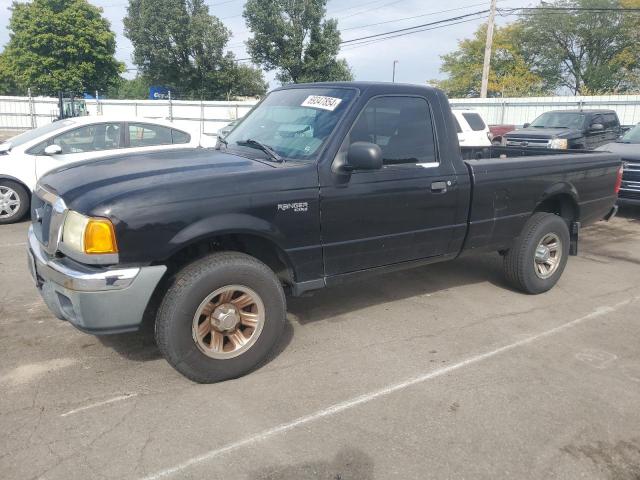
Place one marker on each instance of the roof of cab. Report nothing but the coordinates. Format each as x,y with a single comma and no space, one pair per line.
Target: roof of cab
361,85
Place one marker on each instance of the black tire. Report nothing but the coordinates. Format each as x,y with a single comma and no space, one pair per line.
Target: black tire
23,196
519,262
173,328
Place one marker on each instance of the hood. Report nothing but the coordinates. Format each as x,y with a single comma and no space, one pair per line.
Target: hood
628,151
544,133
120,174
5,147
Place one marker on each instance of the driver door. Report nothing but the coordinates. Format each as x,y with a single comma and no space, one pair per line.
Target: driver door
78,145
403,212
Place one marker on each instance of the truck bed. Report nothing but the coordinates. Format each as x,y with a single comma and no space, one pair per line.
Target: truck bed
509,182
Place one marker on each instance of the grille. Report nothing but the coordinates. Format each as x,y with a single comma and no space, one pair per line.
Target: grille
631,172
41,219
527,142
630,194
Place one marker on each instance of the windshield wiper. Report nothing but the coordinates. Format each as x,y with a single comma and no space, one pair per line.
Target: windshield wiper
223,142
271,153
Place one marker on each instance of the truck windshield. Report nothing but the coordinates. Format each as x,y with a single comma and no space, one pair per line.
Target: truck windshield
632,136
294,123
559,120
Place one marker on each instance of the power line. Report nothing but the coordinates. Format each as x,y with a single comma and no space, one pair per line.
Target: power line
377,40
368,9
414,16
408,29
361,5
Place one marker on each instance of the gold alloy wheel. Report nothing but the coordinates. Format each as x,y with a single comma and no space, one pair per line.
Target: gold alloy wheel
228,322
548,256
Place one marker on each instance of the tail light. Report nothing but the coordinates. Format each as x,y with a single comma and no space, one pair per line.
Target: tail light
616,189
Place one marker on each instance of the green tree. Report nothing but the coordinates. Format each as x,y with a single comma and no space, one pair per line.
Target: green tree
584,51
294,38
178,43
8,85
135,88
509,76
244,81
60,45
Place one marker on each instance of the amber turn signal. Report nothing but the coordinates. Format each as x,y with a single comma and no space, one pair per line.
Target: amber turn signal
100,237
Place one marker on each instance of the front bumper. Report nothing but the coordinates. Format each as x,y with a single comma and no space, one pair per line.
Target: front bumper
95,300
624,201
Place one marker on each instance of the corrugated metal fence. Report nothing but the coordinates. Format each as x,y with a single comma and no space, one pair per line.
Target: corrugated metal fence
517,111
23,113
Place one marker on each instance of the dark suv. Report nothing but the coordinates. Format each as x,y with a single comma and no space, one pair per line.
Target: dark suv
568,129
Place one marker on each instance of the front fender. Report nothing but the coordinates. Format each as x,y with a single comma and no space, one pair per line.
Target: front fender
21,170
230,223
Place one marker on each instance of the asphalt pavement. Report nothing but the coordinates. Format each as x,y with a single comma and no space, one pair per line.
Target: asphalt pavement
438,372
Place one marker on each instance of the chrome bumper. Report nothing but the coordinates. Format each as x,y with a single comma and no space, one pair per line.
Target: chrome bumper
95,300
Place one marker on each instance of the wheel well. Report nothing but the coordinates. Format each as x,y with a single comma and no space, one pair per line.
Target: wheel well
15,180
562,205
258,247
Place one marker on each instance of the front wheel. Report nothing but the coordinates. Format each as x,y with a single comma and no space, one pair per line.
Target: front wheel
14,201
537,259
221,317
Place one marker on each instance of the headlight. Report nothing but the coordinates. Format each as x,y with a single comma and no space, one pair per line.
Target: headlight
89,235
559,143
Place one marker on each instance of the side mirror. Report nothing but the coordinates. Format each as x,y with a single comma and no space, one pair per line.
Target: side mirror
363,156
526,125
597,127
52,150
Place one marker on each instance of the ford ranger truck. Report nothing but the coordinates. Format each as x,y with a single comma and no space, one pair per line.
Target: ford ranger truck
319,184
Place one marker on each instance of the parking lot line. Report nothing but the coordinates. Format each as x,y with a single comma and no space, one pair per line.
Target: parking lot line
7,245
368,397
99,404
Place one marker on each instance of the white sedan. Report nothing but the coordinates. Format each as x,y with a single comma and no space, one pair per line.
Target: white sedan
26,157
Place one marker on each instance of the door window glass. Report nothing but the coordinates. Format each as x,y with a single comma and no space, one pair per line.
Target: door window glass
147,135
611,120
400,126
178,136
598,119
91,138
475,121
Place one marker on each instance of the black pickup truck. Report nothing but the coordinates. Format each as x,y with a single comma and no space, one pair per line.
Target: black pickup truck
318,184
568,130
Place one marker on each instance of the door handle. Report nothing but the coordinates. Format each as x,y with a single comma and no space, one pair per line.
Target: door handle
440,187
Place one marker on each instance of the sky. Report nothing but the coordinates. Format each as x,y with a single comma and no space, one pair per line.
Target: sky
417,55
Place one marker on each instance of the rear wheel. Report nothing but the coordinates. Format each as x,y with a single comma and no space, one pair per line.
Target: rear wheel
539,255
221,317
14,201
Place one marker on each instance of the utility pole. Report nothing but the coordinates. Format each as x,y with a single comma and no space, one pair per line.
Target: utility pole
487,51
393,78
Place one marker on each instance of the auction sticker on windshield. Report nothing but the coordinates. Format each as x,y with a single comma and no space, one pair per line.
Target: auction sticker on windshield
319,101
